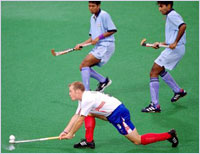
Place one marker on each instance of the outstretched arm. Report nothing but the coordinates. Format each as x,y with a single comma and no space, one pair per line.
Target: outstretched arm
77,124
78,46
69,126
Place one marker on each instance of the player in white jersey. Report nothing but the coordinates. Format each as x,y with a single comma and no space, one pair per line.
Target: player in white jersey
175,37
101,33
110,109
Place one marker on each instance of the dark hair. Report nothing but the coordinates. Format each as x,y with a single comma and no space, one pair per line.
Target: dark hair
165,3
95,2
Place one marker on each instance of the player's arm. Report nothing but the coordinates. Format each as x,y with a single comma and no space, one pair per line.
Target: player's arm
77,125
110,29
78,46
69,126
102,36
181,31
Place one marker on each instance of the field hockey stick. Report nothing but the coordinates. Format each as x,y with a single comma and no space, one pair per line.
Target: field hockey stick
58,53
33,140
143,43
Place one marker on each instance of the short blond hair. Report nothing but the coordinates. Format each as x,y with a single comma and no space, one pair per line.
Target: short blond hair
77,85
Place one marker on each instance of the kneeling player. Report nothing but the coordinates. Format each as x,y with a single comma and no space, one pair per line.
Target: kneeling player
111,109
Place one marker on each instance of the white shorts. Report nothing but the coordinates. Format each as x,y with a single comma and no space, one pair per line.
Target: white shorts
170,58
103,51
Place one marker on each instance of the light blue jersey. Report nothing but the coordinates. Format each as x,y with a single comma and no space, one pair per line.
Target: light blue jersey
173,22
169,58
104,48
101,24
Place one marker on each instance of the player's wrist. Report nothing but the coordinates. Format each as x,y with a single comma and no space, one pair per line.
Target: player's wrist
65,132
101,37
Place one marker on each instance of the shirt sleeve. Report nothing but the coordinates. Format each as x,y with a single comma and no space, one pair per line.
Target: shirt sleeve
86,106
78,110
109,25
176,20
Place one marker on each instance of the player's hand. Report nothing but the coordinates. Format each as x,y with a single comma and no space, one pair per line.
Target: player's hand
173,45
95,41
67,136
78,47
62,135
156,45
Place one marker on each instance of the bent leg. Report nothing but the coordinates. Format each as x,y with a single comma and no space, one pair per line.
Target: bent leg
89,128
168,79
153,137
97,76
89,61
155,70
134,137
147,138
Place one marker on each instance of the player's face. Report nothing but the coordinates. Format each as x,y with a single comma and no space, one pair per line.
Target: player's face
164,9
94,9
72,93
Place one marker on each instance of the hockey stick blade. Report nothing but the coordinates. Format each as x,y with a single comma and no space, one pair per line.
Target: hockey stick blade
53,52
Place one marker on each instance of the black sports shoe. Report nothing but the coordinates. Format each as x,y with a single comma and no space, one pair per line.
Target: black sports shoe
176,96
103,85
174,138
84,144
151,108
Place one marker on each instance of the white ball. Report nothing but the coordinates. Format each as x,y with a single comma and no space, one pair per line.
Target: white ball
12,137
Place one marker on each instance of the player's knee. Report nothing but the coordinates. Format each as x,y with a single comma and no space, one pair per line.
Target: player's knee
154,73
81,66
136,142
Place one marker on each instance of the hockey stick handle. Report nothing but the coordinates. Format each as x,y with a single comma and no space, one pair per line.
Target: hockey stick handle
35,140
160,45
164,46
67,50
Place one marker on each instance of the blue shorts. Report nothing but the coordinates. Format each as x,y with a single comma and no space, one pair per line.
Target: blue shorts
103,51
120,118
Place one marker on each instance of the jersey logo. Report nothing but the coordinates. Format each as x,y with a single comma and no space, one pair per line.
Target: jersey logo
99,107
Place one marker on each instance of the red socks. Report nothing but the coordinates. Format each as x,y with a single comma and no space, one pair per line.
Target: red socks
152,137
89,128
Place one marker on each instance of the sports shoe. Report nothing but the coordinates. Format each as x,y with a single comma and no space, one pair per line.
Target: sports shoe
151,108
176,96
103,85
174,138
84,144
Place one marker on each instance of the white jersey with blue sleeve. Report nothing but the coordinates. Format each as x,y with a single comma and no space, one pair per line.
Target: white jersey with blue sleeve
100,24
97,103
172,25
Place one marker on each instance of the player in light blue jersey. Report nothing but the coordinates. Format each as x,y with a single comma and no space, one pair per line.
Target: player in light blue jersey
175,37
101,33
